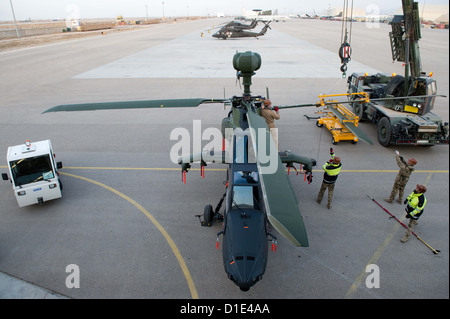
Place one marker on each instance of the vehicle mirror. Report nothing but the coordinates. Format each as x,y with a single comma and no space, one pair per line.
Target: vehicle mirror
5,176
59,165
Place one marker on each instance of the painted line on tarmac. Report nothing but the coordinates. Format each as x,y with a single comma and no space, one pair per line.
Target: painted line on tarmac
169,240
376,256
224,169
140,168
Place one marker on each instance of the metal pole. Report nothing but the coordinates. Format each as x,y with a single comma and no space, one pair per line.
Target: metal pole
163,10
14,16
435,251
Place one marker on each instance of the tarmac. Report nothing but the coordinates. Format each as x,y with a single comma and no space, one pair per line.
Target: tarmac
13,288
127,220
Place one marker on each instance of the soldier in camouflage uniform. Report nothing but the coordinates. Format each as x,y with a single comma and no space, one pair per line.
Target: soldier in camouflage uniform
270,116
406,168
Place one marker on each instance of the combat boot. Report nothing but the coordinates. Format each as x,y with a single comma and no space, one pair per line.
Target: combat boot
409,230
392,196
399,200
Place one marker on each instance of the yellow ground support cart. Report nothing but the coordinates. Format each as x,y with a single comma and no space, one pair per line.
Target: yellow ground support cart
340,121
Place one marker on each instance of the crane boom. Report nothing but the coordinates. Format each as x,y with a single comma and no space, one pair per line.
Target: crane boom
405,36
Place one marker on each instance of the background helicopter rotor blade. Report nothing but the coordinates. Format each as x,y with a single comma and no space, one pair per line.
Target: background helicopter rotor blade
134,104
279,199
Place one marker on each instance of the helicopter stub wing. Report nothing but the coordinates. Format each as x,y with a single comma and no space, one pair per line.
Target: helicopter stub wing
279,199
134,104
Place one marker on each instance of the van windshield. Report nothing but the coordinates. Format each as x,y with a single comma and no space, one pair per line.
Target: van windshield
31,169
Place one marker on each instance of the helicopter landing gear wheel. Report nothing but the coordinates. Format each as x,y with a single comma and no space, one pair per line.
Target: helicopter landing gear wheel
208,214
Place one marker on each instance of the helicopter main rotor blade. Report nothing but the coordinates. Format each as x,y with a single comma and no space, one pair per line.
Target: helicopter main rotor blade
134,104
279,199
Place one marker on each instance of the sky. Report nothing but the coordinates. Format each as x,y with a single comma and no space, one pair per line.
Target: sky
88,9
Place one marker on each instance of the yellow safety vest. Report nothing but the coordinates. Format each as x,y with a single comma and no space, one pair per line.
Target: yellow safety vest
331,171
416,203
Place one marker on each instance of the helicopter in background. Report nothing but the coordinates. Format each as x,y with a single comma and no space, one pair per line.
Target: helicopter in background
238,25
228,32
258,191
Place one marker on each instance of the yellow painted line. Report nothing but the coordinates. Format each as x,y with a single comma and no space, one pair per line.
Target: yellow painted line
169,240
389,171
224,169
376,256
141,168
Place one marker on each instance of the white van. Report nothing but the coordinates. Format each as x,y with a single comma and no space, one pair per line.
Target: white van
33,171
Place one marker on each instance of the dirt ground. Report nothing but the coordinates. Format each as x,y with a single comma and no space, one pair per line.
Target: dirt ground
16,43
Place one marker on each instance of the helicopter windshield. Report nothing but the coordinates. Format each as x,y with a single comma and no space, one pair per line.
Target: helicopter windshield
31,169
245,197
242,177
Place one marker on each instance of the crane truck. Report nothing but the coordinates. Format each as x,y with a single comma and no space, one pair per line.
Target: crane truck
403,112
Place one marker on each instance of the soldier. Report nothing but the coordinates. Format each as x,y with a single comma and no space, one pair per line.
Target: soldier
415,204
406,168
331,171
270,116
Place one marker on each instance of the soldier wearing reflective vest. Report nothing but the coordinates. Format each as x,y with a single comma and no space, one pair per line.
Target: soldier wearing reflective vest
415,204
330,175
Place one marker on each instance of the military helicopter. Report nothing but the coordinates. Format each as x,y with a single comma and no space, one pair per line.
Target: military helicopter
237,32
239,25
258,191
